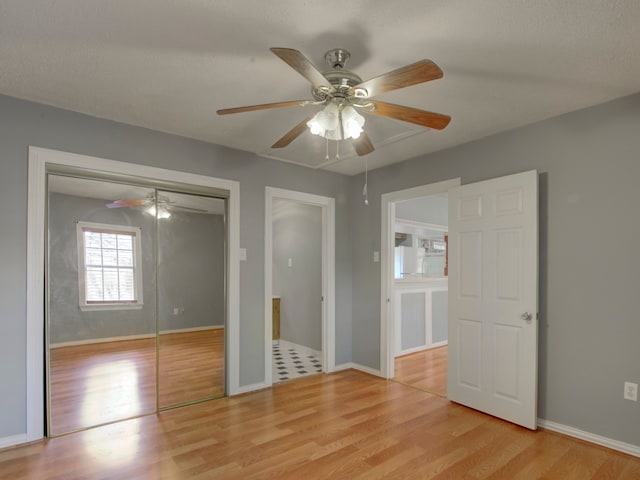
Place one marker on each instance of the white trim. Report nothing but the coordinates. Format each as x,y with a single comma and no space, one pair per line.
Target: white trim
6,442
427,226
388,213
251,388
93,341
357,366
124,338
300,348
343,366
36,200
328,274
192,329
365,369
135,233
39,158
589,437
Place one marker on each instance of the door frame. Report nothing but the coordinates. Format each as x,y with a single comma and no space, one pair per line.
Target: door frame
327,205
40,159
387,307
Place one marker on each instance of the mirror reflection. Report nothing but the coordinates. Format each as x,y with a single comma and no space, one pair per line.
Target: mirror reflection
191,298
136,301
101,304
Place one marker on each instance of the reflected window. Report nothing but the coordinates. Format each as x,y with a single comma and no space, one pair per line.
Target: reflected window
109,269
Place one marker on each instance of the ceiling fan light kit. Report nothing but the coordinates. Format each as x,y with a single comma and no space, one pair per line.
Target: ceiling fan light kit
342,92
337,122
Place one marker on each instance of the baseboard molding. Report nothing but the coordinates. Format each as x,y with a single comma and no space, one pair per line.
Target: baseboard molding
76,343
357,366
13,440
589,437
249,388
194,329
301,348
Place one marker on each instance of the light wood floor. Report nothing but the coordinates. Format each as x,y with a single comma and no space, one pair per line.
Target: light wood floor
347,425
426,370
104,382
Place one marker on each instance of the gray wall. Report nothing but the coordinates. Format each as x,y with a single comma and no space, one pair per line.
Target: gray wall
24,123
589,168
589,171
297,234
431,209
191,271
67,322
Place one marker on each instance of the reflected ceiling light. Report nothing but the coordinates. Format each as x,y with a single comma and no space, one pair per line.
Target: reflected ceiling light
160,214
337,122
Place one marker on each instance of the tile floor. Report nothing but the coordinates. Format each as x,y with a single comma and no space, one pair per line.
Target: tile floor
289,364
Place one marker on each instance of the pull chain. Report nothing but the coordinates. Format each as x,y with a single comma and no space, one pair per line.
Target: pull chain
327,156
366,181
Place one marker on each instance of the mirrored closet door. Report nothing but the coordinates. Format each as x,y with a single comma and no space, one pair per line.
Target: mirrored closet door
135,301
191,298
101,304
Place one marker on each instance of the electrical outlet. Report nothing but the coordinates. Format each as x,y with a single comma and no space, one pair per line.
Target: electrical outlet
631,391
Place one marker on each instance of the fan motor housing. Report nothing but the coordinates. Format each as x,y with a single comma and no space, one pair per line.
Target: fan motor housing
340,79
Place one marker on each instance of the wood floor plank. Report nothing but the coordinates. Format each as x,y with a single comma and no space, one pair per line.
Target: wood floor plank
347,425
425,370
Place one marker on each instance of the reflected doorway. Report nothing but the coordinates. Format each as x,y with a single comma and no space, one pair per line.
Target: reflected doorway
135,301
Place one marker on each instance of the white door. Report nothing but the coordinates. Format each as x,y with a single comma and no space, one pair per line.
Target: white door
493,296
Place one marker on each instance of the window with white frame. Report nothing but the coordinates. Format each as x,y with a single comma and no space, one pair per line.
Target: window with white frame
109,266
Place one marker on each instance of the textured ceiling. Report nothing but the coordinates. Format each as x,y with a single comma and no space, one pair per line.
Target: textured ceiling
169,65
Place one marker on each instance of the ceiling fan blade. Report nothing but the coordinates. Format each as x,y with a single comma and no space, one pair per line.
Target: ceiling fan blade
304,67
419,72
363,144
127,203
292,134
264,106
411,115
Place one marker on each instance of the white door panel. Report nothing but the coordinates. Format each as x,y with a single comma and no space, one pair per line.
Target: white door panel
493,240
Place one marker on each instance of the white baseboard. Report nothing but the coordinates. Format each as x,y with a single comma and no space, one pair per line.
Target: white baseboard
357,366
194,329
13,440
101,340
301,348
249,388
343,366
590,437
131,337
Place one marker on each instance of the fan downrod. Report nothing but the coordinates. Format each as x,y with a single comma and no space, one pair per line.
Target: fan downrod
337,58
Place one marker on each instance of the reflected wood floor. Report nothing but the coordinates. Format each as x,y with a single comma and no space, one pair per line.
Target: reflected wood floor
425,370
347,425
103,382
191,366
100,383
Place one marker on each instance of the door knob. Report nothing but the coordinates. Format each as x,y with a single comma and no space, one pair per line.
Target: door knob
526,316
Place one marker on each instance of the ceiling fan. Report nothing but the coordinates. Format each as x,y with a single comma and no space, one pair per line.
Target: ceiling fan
148,204
343,93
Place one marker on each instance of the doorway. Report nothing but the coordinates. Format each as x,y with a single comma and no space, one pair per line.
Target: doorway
136,301
420,301
421,292
299,284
